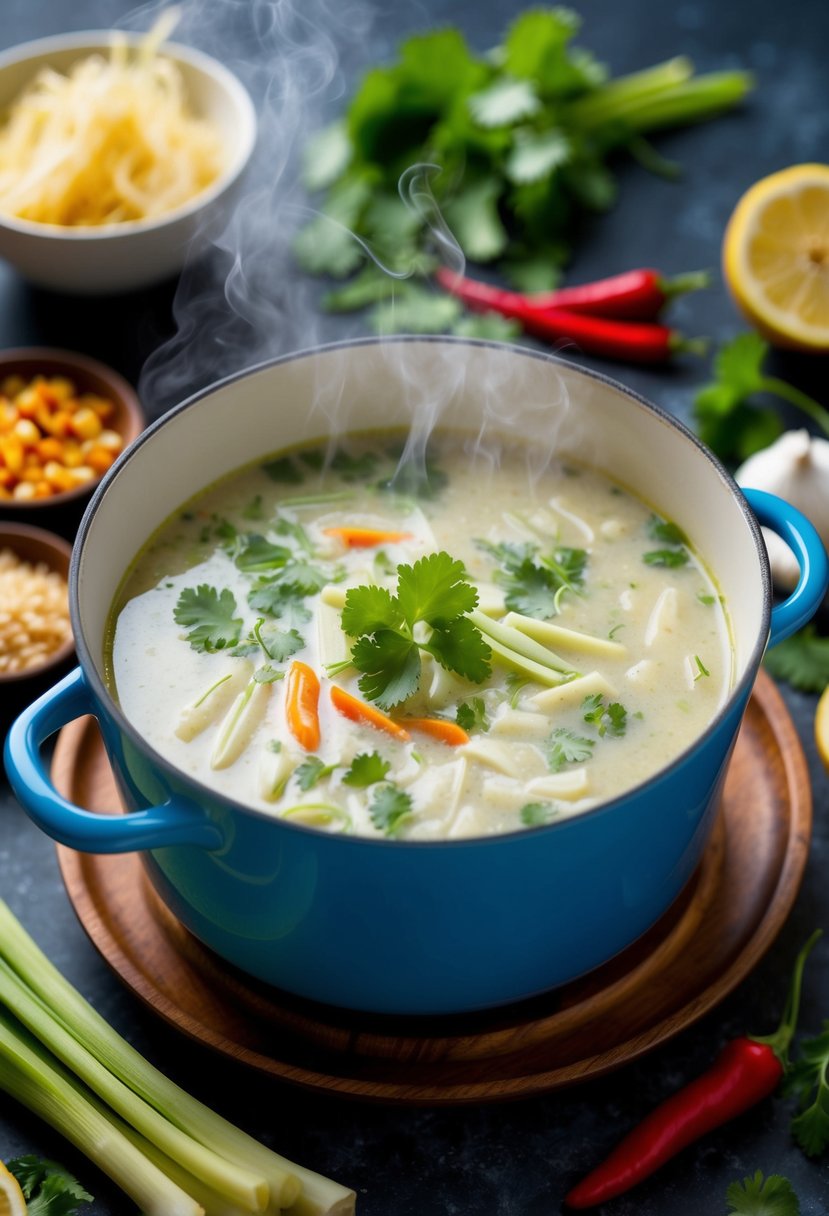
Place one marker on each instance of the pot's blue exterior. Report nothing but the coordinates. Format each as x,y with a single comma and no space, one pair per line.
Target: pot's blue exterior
413,928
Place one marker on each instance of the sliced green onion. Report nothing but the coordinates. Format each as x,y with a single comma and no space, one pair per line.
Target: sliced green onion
319,814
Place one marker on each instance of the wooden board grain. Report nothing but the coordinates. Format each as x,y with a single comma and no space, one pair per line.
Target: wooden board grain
707,942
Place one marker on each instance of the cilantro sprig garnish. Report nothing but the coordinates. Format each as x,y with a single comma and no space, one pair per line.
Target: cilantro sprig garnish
759,1196
389,808
729,417
670,534
210,617
471,714
432,596
312,771
536,814
366,769
533,581
566,747
608,717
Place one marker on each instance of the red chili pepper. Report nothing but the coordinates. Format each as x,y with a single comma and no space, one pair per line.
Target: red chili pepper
746,1070
634,341
638,295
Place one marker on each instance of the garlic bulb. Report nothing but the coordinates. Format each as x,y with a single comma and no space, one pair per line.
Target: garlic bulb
796,468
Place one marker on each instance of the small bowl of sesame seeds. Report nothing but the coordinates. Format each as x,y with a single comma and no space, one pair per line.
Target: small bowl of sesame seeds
35,630
64,419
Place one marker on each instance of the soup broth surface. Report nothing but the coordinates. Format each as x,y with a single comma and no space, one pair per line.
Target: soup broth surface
598,649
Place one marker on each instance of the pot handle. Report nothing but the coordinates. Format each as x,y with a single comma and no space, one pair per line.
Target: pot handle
802,537
175,822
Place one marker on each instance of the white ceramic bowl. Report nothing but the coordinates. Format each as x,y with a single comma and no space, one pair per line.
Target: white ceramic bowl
136,253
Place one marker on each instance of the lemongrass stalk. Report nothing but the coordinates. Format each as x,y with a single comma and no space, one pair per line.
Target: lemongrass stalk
519,642
249,1190
603,104
27,1074
546,631
527,667
205,1196
192,1116
703,97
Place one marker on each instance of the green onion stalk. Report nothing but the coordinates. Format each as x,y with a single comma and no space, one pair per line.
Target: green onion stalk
240,1173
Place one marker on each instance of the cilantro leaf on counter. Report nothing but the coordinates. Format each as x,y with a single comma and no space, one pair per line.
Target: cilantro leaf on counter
389,808
728,417
471,714
48,1188
366,769
209,615
801,660
609,718
433,593
809,1080
566,747
311,772
759,1196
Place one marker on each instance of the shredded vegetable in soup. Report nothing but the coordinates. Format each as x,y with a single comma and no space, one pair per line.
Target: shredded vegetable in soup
428,652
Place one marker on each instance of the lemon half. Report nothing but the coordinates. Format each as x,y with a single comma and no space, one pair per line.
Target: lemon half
776,257
12,1202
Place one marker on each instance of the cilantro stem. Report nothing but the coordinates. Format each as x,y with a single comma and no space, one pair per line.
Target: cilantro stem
607,102
800,400
781,1040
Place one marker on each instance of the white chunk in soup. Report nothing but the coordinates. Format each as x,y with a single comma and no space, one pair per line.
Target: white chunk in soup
432,653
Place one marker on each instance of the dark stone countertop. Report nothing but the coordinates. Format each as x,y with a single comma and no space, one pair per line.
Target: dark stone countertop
516,1159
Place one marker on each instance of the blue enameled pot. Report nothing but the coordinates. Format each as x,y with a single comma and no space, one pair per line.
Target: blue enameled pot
382,925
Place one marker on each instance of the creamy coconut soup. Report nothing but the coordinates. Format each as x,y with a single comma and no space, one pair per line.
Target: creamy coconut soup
442,650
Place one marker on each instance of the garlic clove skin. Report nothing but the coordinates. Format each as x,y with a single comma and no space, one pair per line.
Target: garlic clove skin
796,468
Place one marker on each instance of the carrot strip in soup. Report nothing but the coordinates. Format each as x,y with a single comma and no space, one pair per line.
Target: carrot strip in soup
446,732
359,711
366,538
302,694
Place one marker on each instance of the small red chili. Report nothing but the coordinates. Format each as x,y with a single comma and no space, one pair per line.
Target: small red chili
747,1070
636,295
633,341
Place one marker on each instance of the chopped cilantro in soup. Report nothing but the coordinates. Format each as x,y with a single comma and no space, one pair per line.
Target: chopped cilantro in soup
441,650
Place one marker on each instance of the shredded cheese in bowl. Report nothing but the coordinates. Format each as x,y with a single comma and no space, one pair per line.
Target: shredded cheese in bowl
34,613
113,140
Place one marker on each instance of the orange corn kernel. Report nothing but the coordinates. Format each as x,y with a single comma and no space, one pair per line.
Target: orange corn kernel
110,440
8,415
27,432
50,449
86,424
31,472
99,459
72,454
30,404
82,475
7,478
23,491
11,453
43,489
59,424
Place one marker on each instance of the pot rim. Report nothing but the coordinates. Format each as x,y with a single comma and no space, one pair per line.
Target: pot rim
102,693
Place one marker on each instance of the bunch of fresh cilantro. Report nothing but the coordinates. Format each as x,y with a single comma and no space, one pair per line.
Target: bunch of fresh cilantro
507,149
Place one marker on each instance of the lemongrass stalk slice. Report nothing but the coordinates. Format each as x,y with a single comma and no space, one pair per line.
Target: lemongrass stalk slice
518,642
237,1184
320,815
518,662
275,768
332,642
574,692
663,618
519,724
498,756
239,724
573,784
27,1074
197,1120
212,703
546,632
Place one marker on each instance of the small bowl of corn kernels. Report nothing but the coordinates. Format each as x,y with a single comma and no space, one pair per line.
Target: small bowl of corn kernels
64,419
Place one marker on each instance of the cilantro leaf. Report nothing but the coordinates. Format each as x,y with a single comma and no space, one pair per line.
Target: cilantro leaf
566,747
759,1196
434,590
532,581
536,156
488,326
311,772
390,666
277,599
298,577
608,718
415,479
257,553
209,615
266,674
809,1078
536,41
326,156
474,219
471,714
669,533
505,102
666,557
389,808
354,468
414,310
801,660
254,509
460,646
366,769
49,1189
285,469
535,814
369,609
279,644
